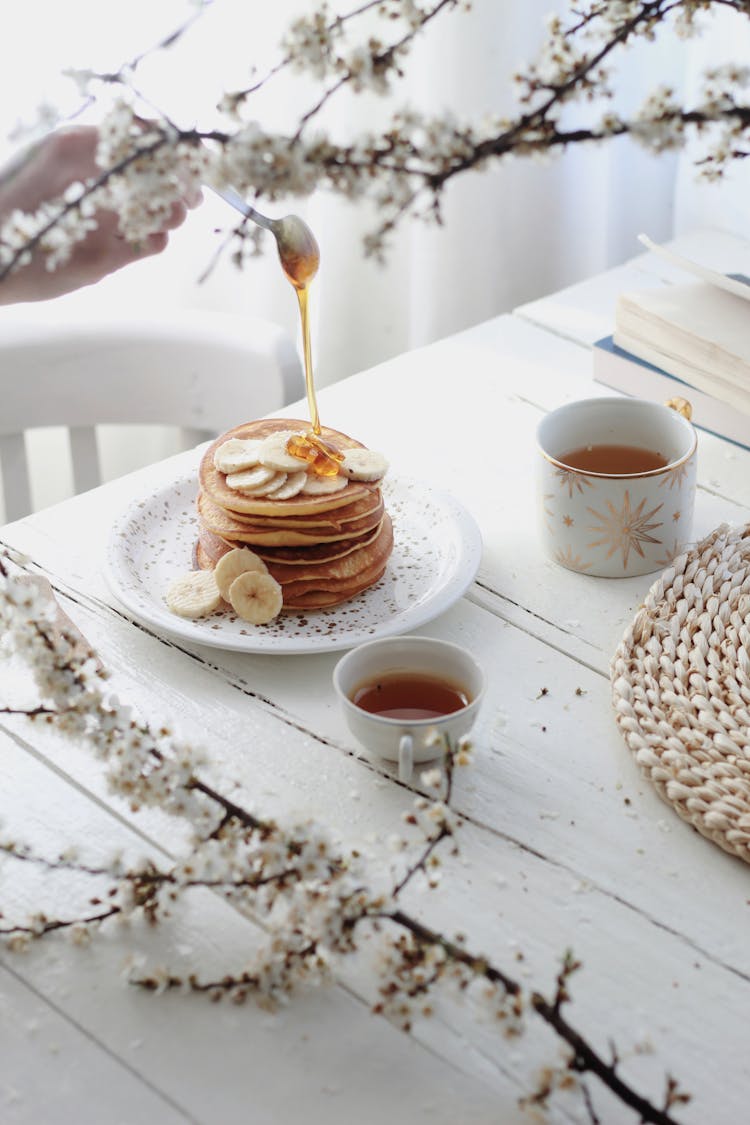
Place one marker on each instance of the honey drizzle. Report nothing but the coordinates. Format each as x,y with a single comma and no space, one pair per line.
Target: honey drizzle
303,293
323,458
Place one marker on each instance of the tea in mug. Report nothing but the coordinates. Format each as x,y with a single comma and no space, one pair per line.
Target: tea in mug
613,460
410,696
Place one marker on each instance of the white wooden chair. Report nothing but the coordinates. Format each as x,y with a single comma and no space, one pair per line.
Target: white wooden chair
200,371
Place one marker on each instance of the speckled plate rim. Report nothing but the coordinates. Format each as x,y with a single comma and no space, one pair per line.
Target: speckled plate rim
435,537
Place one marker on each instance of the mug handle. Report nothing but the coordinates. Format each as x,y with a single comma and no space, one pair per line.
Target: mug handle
681,406
405,757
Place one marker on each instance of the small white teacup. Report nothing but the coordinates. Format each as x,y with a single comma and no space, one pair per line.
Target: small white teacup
394,693
607,505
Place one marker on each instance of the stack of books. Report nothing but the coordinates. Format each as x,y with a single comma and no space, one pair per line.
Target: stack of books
690,341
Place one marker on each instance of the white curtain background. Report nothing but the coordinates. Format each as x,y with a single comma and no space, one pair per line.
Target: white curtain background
510,234
724,205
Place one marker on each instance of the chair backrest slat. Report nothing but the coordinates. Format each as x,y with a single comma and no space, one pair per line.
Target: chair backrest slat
84,454
15,470
198,371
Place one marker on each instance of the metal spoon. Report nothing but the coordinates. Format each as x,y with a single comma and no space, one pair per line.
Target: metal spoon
298,251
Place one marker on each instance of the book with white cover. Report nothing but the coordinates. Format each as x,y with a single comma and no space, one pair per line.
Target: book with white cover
698,332
688,340
685,328
617,368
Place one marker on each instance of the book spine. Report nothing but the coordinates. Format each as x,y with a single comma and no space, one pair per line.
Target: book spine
616,368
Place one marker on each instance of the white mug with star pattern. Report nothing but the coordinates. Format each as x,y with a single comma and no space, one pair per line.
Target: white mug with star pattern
616,525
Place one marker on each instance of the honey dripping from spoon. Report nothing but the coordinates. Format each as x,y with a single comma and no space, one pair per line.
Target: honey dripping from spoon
300,257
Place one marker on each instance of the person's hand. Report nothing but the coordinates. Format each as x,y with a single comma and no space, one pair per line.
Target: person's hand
43,172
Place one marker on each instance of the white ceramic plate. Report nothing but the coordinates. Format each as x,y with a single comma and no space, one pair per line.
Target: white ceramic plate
437,548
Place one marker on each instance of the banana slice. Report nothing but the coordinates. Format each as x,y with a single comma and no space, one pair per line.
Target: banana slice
234,563
293,484
253,479
278,480
364,464
235,455
321,486
194,595
273,454
256,597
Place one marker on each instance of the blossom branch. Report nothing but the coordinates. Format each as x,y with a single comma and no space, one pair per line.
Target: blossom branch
123,75
407,166
444,826
303,31
42,926
313,899
378,63
586,1060
29,712
417,973
147,879
21,254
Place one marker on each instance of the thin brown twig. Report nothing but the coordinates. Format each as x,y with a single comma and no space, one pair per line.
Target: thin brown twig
29,712
586,1059
49,927
421,863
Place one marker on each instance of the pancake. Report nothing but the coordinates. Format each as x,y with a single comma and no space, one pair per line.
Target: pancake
213,482
336,579
313,598
322,552
321,549
221,523
343,569
343,587
215,546
322,600
324,521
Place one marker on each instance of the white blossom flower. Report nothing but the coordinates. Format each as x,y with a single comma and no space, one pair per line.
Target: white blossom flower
431,779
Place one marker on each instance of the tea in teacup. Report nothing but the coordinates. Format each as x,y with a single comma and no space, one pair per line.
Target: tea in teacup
410,695
614,460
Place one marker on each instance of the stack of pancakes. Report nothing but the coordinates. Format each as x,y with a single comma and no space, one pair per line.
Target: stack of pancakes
322,549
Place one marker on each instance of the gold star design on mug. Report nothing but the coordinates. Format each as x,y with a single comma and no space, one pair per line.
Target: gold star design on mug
676,516
568,559
674,477
626,529
568,521
572,480
670,555
548,511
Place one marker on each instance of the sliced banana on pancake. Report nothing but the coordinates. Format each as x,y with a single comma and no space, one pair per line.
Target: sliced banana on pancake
252,480
234,563
364,465
273,454
321,486
194,595
256,597
237,454
290,486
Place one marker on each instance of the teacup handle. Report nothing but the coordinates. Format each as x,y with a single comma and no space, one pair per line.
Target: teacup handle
405,757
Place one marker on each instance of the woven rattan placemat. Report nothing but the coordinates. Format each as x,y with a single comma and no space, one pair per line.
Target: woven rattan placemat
681,687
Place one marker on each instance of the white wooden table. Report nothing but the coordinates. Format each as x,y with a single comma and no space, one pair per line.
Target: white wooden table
564,845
